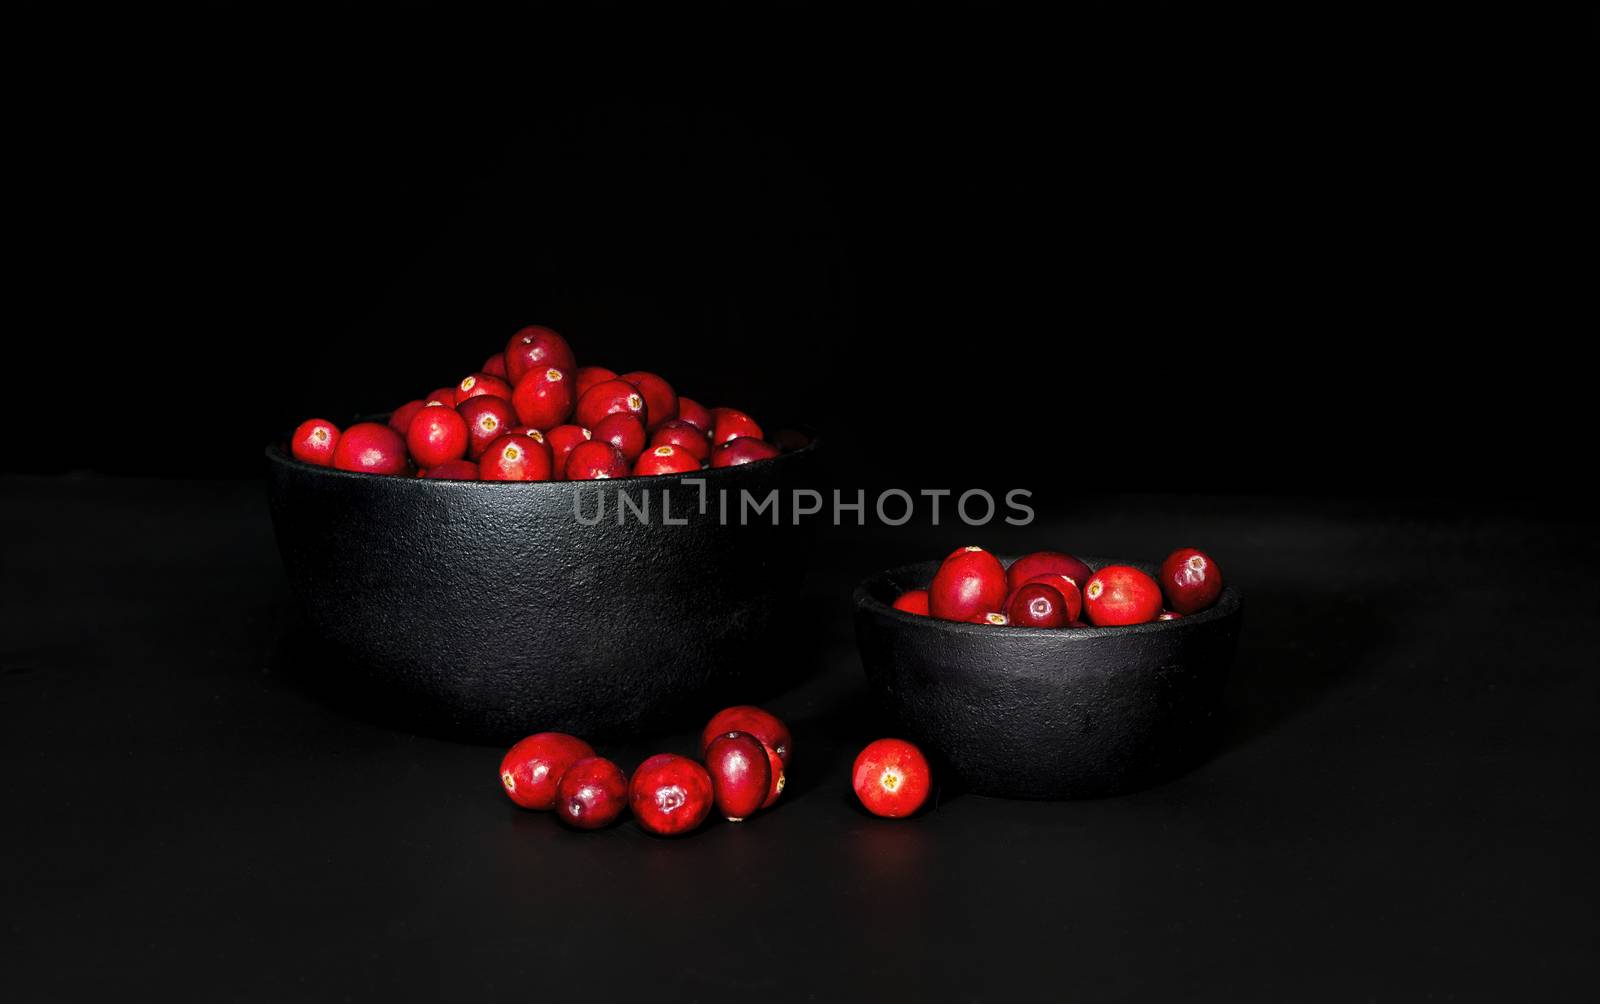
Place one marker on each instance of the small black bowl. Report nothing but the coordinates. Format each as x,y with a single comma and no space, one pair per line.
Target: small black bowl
1049,714
487,610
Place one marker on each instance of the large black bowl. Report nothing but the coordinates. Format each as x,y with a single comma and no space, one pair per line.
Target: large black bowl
487,610
1048,714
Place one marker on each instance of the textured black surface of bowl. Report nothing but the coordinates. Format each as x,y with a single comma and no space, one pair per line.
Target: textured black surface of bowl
1049,714
486,610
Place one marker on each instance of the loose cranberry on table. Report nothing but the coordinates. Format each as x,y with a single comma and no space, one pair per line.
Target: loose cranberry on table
913,602
537,347
453,470
670,795
1121,594
588,376
969,584
595,461
685,436
624,432
400,419
1037,605
1040,562
776,772
742,450
543,398
664,460
741,774
488,418
562,439
892,778
532,768
314,441
370,448
759,722
592,793
610,398
660,400
1067,587
696,414
495,365
515,458
436,435
731,423
1190,580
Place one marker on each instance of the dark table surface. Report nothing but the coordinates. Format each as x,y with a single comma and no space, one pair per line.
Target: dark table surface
1402,807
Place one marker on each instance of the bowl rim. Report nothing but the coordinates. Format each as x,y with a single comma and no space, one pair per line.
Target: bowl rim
1227,605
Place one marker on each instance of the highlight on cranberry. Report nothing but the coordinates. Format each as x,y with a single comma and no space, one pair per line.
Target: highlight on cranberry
536,384
892,778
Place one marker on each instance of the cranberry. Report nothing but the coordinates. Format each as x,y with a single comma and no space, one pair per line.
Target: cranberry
537,347
314,440
370,448
759,722
684,435
660,400
488,418
543,398
1067,587
1168,615
742,450
892,778
444,395
495,365
913,602
436,435
562,439
609,398
776,772
696,414
400,419
592,793
453,470
670,794
588,376
730,423
663,460
515,458
624,432
1039,562
969,584
1037,605
1190,580
1121,594
482,385
594,461
533,767
741,774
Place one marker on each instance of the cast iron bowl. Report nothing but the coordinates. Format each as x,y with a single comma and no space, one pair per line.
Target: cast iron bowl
486,610
1048,714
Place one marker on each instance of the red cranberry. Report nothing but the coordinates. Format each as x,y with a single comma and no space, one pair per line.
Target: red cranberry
759,722
742,450
1121,594
588,376
892,778
1037,605
624,432
1190,580
1067,587
731,423
969,584
400,419
1168,615
488,418
495,365
592,793
696,414
741,774
660,401
370,448
609,398
913,602
533,767
515,458
595,461
543,398
444,395
436,435
1040,562
685,436
670,794
537,347
482,385
562,439
776,772
453,470
314,440
663,460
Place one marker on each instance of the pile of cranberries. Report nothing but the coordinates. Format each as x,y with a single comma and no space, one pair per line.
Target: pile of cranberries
743,753
1053,589
533,414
